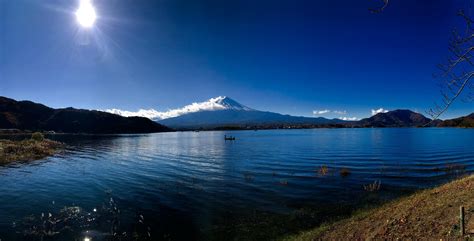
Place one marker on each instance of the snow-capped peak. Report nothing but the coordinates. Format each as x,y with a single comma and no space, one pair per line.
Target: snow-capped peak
213,104
228,103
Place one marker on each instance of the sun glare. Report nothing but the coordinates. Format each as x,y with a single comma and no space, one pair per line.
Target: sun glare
86,14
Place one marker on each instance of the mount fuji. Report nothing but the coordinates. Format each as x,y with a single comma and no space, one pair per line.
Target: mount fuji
224,112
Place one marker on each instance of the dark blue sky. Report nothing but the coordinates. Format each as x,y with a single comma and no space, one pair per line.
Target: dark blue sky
284,56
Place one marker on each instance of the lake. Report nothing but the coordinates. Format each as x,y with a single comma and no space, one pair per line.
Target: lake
197,186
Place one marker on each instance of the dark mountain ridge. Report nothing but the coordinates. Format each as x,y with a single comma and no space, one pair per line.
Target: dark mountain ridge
464,121
27,115
253,119
396,118
241,119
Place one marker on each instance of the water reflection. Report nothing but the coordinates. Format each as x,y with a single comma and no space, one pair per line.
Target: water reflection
69,223
188,186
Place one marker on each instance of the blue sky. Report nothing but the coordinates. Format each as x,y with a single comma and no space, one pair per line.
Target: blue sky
291,57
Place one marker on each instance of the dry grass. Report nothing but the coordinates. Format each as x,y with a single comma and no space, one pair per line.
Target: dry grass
432,214
27,150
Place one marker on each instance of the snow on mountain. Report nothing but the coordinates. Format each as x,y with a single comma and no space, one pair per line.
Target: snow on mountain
218,103
228,103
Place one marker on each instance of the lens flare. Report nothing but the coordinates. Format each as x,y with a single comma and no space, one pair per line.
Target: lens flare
86,14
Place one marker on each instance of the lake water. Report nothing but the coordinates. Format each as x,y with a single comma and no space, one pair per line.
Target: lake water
195,185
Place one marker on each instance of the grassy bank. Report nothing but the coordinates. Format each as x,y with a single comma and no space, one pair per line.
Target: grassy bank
26,150
431,214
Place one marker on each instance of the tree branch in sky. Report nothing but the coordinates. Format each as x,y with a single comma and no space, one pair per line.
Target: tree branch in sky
380,9
457,72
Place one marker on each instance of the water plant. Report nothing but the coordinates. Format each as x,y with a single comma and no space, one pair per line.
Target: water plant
323,170
101,223
373,187
455,169
26,150
344,172
248,176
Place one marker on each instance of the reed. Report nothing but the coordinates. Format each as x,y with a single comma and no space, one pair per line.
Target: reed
455,169
373,187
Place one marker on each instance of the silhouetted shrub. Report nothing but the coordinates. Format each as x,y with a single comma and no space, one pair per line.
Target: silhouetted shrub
37,136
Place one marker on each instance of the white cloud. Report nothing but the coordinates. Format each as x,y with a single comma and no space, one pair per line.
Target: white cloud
349,118
326,111
380,110
320,112
150,113
211,104
340,112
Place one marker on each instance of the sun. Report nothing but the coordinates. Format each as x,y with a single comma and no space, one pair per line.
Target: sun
86,14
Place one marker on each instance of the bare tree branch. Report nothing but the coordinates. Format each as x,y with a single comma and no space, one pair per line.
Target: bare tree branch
459,69
449,99
457,72
380,9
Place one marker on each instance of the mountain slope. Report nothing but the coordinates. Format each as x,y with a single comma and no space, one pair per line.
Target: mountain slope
396,118
465,121
27,115
234,114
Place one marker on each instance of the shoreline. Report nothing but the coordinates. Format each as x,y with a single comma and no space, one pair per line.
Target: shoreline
427,214
23,133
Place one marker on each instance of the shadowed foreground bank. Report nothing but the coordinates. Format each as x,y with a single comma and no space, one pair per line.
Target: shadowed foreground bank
430,214
27,150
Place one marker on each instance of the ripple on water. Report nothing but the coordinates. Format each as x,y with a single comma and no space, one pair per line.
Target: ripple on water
185,181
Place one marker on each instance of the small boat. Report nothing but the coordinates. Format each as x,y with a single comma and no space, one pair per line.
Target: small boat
229,138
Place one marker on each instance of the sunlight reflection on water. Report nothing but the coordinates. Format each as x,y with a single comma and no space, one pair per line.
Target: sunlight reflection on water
181,185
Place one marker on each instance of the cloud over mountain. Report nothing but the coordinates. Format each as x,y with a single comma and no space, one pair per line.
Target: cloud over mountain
320,112
380,110
349,118
340,112
218,103
326,111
